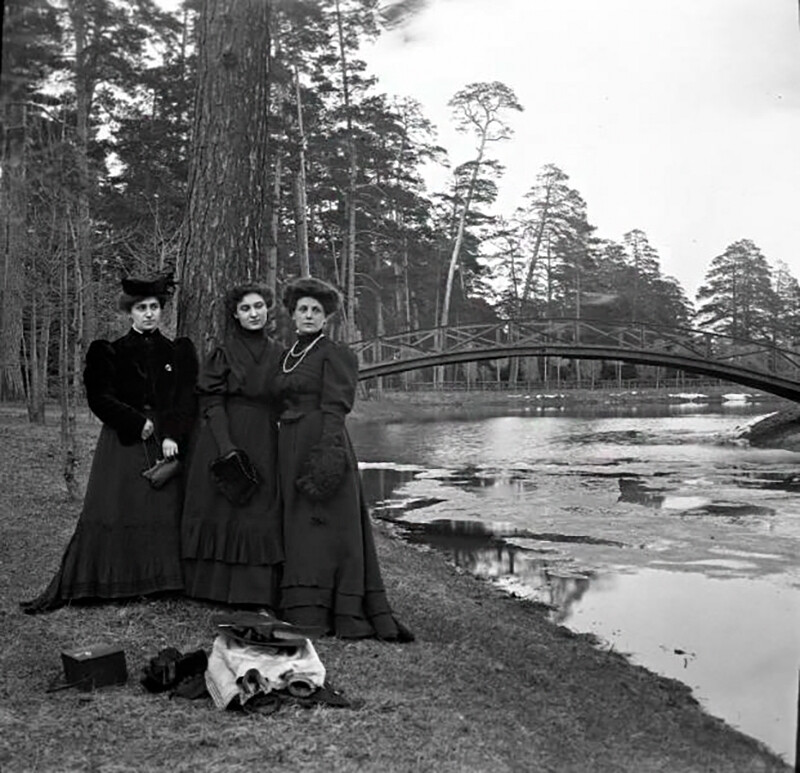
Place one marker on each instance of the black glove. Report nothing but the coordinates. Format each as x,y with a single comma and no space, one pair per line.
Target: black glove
324,469
235,476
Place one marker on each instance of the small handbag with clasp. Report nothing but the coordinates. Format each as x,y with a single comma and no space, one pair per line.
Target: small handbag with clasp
160,471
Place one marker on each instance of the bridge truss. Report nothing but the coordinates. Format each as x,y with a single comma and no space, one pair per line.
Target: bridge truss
755,364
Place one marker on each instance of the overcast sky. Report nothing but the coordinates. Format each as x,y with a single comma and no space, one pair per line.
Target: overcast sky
678,117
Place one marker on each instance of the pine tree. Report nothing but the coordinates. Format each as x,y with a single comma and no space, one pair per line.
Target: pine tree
227,224
480,109
737,295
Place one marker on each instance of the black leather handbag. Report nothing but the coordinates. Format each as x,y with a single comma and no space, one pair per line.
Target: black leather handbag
235,476
161,471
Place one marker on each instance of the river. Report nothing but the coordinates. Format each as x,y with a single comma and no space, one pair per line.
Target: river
650,527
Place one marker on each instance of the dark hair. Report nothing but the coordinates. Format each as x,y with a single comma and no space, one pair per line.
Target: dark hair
310,287
127,302
237,292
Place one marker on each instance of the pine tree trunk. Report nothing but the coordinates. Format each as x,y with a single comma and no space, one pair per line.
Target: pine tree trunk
68,353
271,276
35,401
84,88
349,256
301,205
227,229
459,240
13,200
513,374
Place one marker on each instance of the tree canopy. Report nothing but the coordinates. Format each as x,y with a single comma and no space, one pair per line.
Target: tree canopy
239,139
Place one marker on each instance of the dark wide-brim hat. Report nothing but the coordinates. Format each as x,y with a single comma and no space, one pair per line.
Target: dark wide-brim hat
152,286
310,287
260,628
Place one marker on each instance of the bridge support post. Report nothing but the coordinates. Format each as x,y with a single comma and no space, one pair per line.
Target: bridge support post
376,355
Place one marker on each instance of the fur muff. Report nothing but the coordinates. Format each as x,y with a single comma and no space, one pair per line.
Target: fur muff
323,471
235,476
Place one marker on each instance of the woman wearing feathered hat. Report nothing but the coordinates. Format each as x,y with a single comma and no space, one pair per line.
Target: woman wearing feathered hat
331,576
141,386
231,526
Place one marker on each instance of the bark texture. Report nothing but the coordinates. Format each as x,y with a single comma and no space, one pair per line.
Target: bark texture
228,223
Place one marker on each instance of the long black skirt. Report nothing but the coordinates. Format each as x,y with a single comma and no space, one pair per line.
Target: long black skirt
332,579
127,540
232,554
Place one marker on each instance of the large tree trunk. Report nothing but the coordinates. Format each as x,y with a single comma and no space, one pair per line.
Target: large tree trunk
228,219
13,200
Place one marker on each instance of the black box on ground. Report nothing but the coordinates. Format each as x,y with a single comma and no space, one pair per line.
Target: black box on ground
98,665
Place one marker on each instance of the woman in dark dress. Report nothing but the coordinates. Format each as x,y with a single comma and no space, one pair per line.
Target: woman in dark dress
141,386
331,576
232,549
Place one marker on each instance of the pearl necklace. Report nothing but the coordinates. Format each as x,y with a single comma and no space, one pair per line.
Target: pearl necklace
299,355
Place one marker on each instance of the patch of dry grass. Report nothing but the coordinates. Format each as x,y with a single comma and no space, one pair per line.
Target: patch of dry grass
490,685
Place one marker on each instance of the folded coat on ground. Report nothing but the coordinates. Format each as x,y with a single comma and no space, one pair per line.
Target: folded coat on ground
281,669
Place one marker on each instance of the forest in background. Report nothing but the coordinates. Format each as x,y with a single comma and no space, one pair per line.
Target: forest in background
245,139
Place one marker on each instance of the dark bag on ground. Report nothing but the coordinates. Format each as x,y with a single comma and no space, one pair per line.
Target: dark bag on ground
170,667
235,476
324,470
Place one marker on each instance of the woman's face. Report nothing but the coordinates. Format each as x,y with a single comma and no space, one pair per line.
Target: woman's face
146,314
251,311
308,316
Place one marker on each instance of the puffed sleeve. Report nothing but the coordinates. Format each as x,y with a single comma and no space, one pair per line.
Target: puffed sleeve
339,381
99,380
180,417
212,387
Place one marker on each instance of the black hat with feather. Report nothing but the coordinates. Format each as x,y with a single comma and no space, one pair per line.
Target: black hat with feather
135,288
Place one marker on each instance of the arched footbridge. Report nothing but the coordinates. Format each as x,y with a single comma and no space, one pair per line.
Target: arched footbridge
754,364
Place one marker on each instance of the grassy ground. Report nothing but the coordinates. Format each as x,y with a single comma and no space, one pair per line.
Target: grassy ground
490,685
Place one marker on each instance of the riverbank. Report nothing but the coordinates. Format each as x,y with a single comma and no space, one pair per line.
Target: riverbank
489,684
399,405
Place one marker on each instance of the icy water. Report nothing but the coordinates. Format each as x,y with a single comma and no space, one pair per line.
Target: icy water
650,528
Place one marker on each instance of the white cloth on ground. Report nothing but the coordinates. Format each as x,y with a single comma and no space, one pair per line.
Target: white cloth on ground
230,660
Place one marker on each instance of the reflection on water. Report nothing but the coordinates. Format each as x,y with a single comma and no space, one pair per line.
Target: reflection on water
479,550
636,490
769,480
655,534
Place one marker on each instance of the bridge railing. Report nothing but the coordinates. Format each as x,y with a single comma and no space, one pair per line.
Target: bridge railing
587,334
